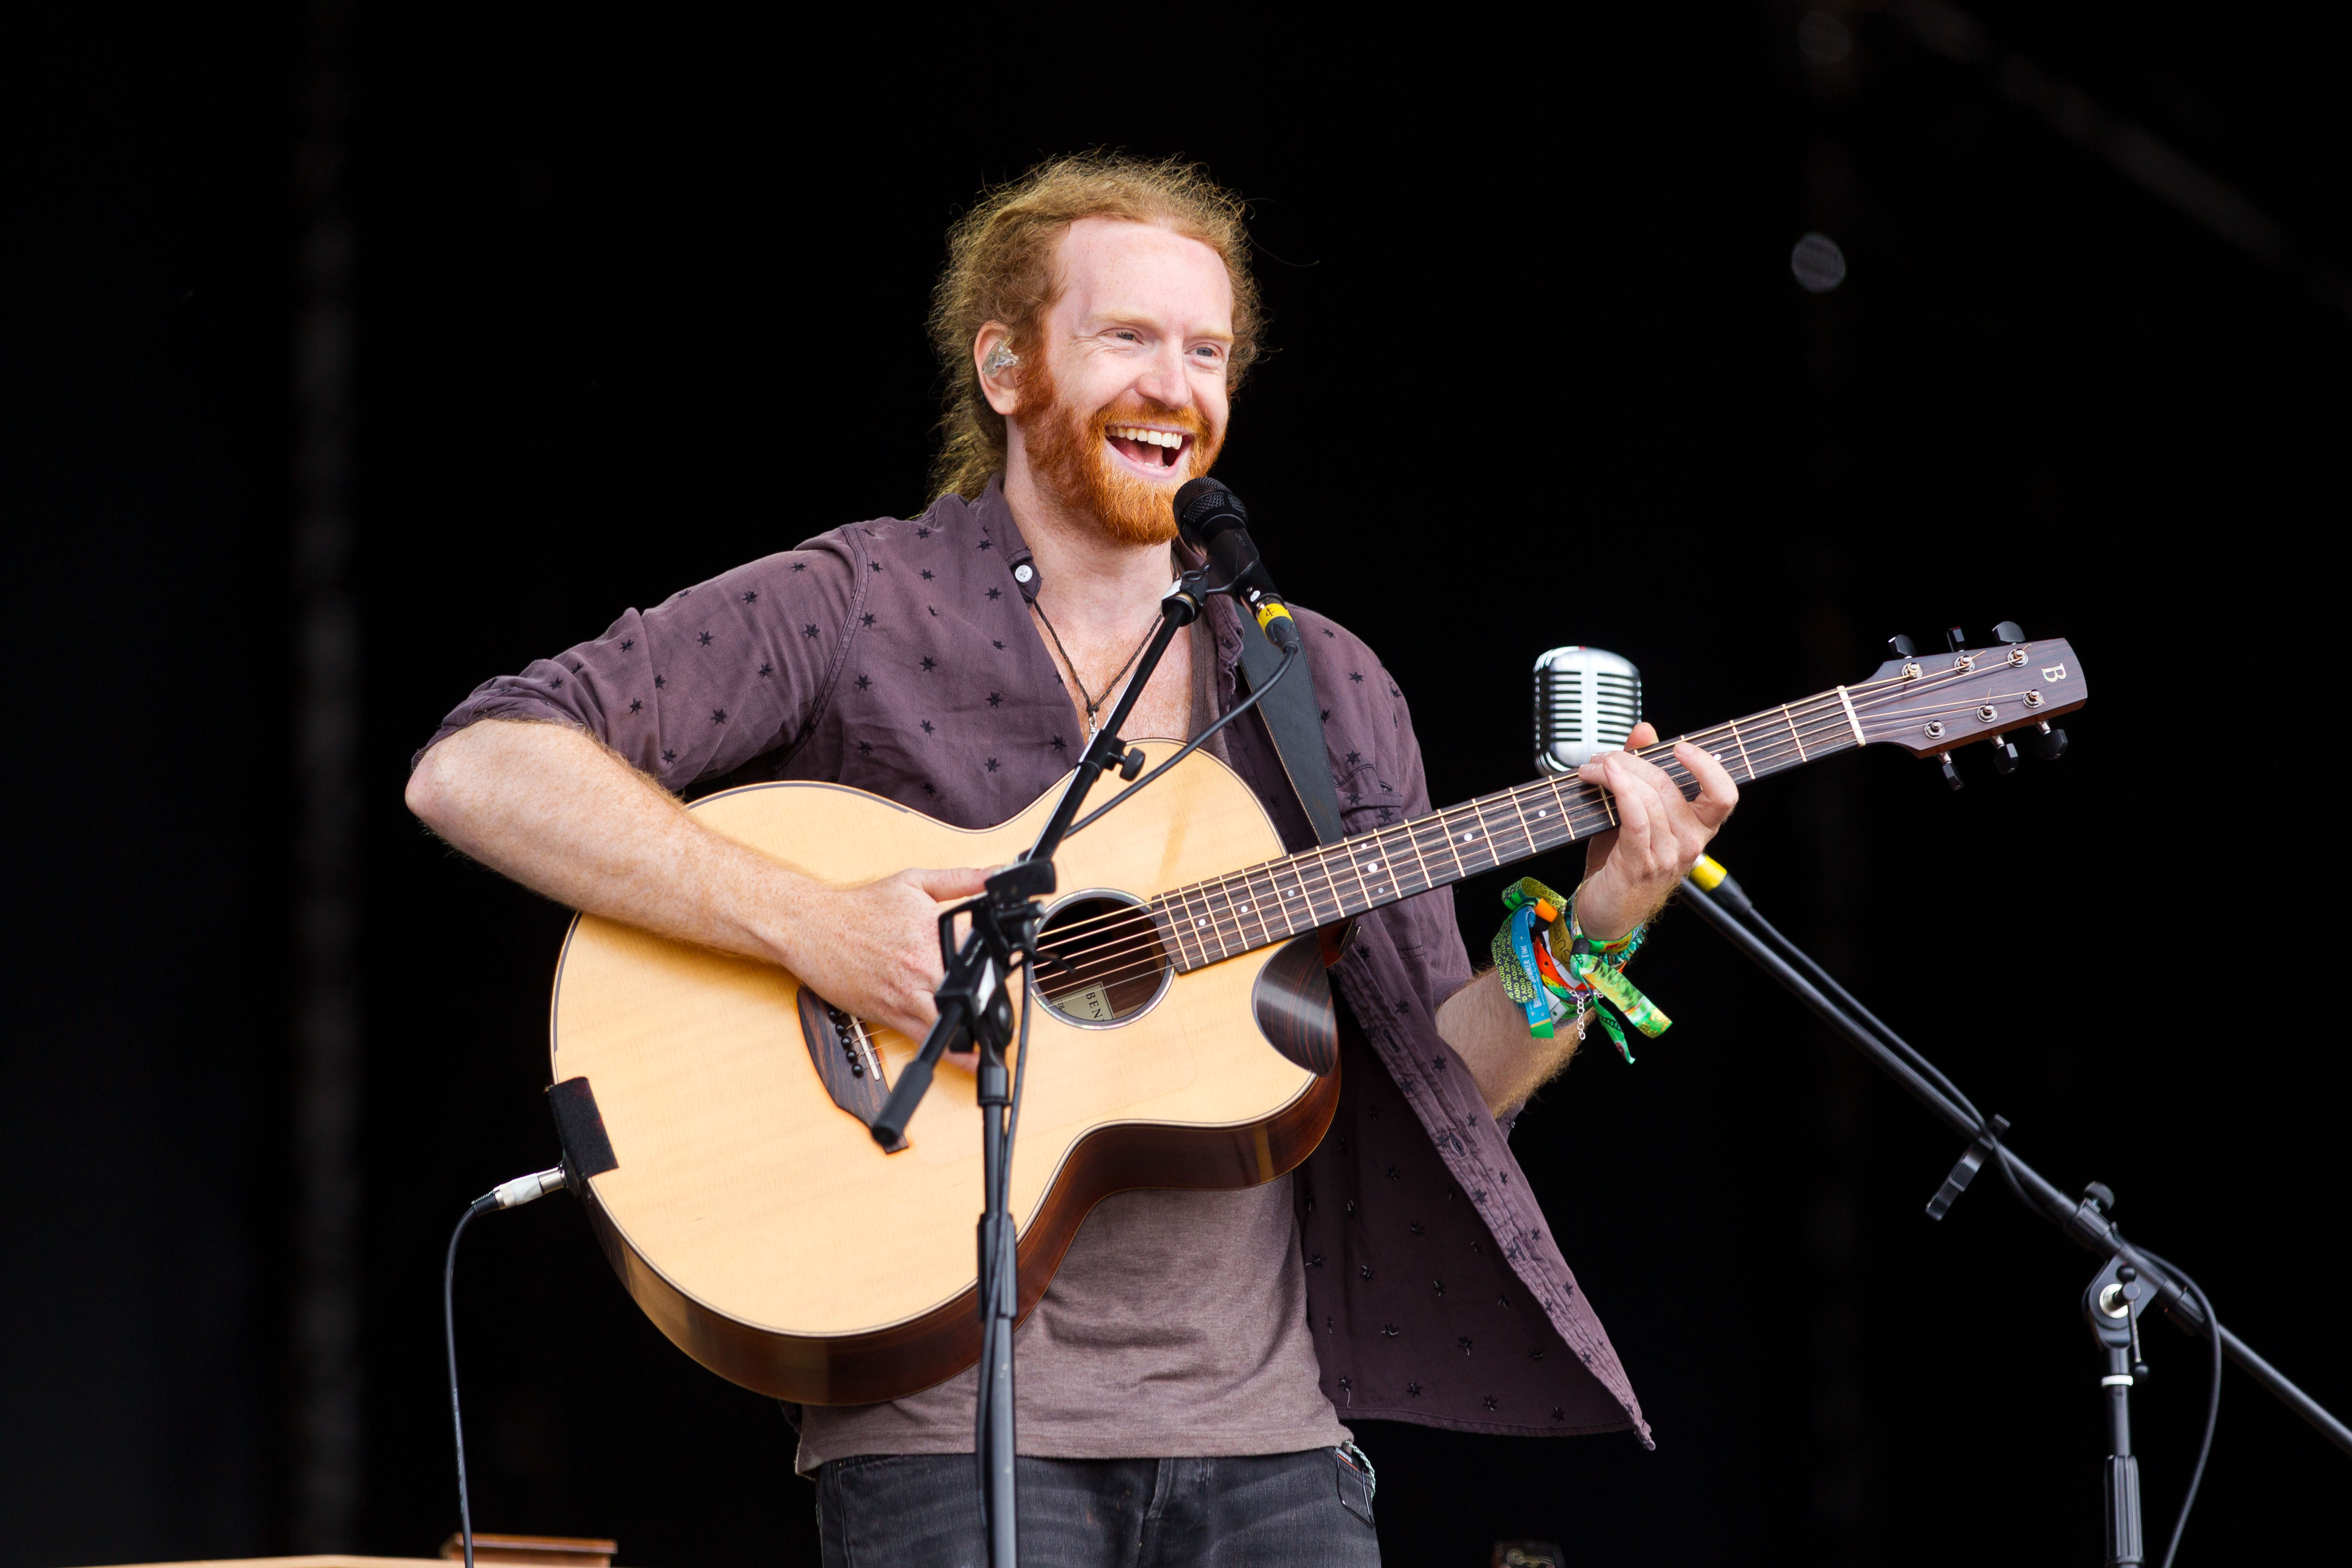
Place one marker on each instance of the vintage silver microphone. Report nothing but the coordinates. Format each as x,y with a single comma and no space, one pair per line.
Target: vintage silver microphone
1587,703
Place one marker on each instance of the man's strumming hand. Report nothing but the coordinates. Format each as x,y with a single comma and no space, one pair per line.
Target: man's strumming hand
1631,871
874,951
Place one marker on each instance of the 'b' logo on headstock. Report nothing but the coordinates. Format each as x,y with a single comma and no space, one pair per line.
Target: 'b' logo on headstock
2054,672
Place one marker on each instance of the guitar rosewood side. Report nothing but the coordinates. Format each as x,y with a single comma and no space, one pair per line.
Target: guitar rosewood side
1292,1000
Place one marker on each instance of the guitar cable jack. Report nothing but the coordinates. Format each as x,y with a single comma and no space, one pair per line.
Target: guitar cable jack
527,1189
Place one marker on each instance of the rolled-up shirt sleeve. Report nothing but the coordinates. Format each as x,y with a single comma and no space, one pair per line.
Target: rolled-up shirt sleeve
711,678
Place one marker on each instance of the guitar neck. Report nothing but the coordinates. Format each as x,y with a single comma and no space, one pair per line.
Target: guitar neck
1206,922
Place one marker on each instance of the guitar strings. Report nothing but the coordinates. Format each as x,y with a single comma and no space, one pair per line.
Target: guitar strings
1484,808
1100,935
1111,955
1101,943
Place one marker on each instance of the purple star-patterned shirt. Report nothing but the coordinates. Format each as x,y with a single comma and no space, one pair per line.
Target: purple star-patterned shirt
899,656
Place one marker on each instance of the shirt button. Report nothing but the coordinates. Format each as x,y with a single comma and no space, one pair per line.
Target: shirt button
1022,573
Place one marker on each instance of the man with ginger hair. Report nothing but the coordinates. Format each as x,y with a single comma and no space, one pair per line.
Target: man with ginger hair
1184,1384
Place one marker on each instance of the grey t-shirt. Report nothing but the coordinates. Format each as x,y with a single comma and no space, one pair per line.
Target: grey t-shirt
1176,1325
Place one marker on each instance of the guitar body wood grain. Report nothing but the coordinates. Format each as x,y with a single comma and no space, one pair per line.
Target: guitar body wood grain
755,1221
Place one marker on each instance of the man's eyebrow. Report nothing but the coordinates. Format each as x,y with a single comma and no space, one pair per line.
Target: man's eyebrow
1113,321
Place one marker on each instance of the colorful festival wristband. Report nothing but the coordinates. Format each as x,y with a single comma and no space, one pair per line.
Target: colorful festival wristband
1545,983
1537,1007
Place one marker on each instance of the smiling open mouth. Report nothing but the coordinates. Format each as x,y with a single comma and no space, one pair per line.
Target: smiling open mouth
1152,448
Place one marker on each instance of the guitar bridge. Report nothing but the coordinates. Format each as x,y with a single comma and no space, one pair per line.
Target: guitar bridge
845,1060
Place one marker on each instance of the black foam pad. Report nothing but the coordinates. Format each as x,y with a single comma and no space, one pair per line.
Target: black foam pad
579,1127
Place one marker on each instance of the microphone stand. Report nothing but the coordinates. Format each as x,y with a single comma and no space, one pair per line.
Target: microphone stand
2130,1279
975,1008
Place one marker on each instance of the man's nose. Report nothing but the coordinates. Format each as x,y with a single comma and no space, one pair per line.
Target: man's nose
1164,380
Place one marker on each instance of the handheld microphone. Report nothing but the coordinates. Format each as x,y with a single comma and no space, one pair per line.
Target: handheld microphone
1213,520
1587,703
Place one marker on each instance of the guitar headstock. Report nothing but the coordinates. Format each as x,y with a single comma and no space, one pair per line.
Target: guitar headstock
1931,704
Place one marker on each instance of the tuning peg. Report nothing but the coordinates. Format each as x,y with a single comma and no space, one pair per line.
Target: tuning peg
1952,638
1902,646
2009,632
2052,743
2004,755
1951,769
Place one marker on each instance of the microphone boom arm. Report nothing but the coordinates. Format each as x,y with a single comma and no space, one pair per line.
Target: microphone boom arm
2083,1223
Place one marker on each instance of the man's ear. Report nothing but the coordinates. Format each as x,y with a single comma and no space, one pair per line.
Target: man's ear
998,366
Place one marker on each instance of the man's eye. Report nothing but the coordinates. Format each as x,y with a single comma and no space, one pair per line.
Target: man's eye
1128,336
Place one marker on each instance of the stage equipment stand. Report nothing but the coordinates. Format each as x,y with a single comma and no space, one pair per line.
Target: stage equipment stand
2112,1304
975,1007
2131,1280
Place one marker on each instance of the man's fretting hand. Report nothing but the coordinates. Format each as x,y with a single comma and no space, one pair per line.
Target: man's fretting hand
1632,869
874,951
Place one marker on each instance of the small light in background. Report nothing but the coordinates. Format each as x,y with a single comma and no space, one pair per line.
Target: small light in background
1818,263
1823,40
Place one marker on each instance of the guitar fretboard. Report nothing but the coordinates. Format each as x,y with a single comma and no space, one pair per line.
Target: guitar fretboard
1206,922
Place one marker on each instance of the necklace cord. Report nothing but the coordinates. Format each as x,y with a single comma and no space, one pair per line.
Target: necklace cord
1094,704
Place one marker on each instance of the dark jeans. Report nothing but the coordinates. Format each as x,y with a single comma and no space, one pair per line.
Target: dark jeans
1310,1510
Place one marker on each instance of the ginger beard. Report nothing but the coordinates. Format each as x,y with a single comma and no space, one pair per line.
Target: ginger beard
1071,453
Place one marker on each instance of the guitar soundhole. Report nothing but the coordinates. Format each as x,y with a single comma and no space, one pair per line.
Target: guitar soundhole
1101,960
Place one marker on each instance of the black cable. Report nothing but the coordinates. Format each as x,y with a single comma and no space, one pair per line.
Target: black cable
482,1205
1903,1047
2031,1201
2204,1304
1244,706
505,1196
1743,909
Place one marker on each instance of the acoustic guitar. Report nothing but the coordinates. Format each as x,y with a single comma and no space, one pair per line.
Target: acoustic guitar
716,1112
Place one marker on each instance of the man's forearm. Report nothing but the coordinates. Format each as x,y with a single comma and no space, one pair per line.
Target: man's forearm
550,808
1490,1032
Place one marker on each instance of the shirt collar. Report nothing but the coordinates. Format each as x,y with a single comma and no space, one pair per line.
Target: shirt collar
994,515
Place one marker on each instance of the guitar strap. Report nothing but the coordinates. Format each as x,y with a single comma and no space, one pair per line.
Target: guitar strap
1294,722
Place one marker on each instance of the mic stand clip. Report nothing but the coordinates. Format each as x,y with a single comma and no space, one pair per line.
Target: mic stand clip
1965,1169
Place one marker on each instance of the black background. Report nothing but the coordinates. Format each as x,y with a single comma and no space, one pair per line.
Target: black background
641,299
